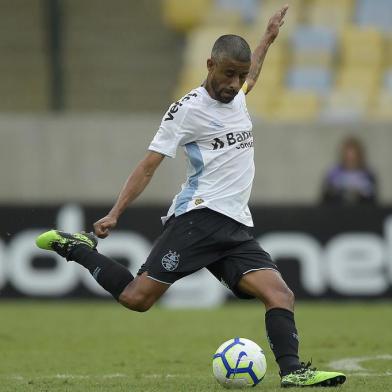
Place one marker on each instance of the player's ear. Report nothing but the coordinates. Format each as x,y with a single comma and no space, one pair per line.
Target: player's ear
210,65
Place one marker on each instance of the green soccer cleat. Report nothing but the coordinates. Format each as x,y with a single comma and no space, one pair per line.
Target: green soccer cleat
307,377
62,243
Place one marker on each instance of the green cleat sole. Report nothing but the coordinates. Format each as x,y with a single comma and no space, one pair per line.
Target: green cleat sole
330,382
305,376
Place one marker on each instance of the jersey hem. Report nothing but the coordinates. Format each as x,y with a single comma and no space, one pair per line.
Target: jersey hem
166,218
249,224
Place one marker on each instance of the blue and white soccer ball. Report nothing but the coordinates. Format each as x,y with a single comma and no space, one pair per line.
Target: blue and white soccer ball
239,363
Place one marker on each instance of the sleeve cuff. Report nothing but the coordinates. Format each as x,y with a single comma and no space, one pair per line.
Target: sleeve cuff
168,154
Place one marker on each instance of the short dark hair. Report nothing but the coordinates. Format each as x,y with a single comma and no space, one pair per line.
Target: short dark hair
232,47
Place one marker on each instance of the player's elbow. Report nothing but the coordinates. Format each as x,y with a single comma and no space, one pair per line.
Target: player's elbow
147,169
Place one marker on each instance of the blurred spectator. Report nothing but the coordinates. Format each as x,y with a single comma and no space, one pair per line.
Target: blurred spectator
350,181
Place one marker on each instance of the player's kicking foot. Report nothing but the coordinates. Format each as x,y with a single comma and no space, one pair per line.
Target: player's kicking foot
307,377
62,243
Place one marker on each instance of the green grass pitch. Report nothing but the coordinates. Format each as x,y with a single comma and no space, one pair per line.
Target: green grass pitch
100,346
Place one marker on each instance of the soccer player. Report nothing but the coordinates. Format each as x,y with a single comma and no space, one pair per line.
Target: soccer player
207,225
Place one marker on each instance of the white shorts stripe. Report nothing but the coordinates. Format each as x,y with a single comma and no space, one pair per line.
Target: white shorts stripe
258,269
160,281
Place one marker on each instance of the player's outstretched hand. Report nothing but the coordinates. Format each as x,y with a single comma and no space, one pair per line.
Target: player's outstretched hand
104,225
275,23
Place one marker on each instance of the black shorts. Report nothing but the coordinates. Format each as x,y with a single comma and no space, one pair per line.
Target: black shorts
205,238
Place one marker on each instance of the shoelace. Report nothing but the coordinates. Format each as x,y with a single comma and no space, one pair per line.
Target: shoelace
305,367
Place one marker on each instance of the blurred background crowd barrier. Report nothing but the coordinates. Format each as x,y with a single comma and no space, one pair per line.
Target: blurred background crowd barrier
84,84
323,253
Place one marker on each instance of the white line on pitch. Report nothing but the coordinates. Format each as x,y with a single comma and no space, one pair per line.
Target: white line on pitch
354,363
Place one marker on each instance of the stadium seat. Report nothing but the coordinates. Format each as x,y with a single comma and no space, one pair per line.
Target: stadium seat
345,105
377,15
388,50
334,14
362,47
313,38
381,110
388,80
226,18
261,101
358,78
184,18
294,106
232,12
271,76
317,80
278,55
313,45
269,7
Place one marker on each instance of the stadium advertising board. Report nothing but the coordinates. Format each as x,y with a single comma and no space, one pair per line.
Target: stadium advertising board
325,252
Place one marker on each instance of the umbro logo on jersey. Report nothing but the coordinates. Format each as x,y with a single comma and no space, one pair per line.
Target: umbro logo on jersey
174,108
216,124
217,144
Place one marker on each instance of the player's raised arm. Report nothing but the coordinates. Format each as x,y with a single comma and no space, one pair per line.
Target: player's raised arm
259,53
133,187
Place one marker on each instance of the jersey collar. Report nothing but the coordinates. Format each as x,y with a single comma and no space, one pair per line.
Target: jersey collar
213,101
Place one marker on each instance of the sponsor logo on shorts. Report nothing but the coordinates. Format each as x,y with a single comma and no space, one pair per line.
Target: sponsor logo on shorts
170,261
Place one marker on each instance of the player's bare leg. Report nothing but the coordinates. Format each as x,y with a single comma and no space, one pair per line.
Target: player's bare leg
271,289
142,293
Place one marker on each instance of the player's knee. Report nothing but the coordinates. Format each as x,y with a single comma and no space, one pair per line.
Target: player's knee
282,297
285,298
136,302
141,307
290,297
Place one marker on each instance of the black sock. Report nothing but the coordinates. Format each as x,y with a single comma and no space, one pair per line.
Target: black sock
112,276
283,339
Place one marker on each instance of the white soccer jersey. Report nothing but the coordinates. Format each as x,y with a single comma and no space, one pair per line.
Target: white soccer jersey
218,142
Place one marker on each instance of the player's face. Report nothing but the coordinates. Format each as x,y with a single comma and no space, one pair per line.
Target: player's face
225,78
